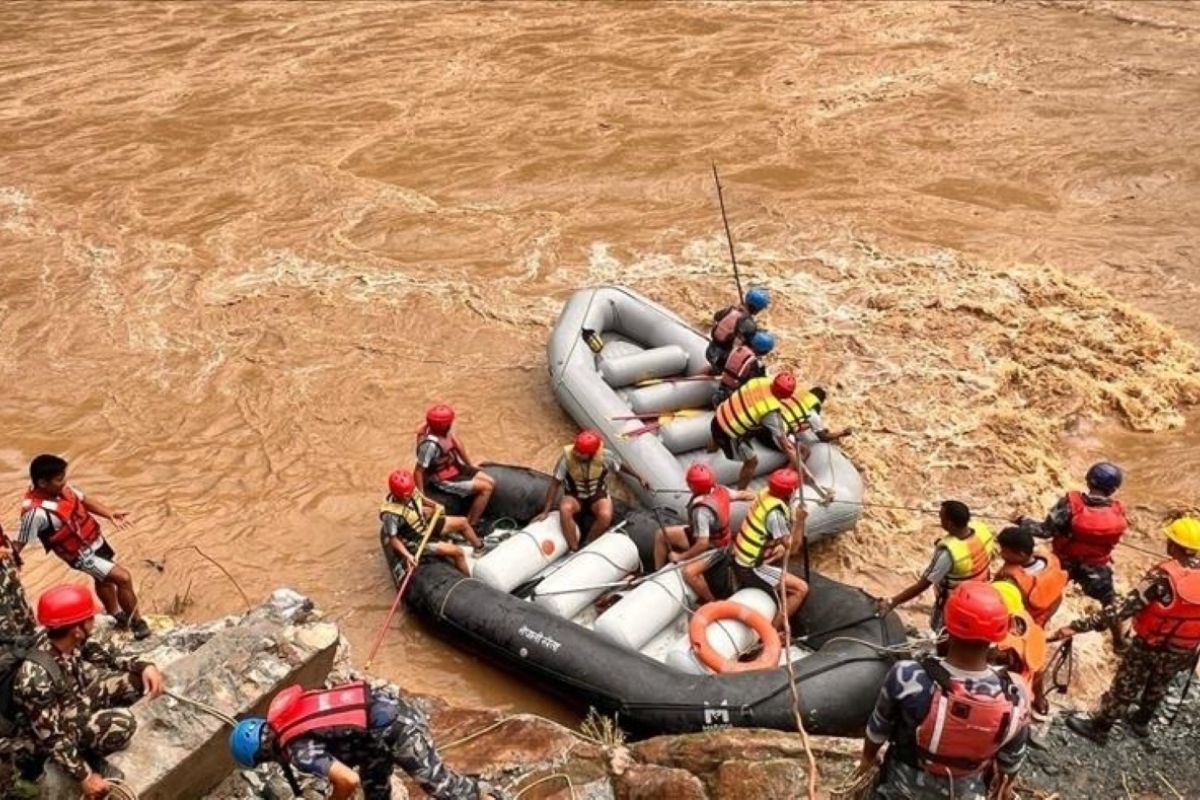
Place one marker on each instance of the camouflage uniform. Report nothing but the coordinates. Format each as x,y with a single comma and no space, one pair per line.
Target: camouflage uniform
1145,672
16,618
1095,580
396,735
79,714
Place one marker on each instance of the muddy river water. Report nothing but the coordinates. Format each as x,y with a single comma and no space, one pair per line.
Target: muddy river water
243,246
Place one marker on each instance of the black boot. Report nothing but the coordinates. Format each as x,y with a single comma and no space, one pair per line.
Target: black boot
140,629
1090,728
1139,723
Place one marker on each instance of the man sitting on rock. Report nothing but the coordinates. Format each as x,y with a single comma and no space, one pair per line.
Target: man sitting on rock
72,689
354,736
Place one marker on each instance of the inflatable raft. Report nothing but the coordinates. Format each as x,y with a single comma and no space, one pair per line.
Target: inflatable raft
651,362
595,628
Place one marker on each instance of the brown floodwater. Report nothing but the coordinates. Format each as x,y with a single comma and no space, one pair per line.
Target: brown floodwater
243,246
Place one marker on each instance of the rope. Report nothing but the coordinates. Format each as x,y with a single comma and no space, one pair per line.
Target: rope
1063,658
787,660
563,775
205,707
159,566
117,790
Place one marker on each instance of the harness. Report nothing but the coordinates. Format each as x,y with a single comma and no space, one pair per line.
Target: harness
725,329
739,367
295,713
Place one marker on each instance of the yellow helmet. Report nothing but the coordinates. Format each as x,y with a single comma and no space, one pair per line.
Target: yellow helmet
1011,596
1184,532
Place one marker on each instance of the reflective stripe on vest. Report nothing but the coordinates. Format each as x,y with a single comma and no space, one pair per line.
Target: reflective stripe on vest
413,513
78,529
1177,624
795,412
745,409
753,536
294,713
446,466
1094,531
585,478
725,330
718,501
971,556
1041,591
741,363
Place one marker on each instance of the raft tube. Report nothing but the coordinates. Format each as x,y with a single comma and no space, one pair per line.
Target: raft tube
652,361
838,680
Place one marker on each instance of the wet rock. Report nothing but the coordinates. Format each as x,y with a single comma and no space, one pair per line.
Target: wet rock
775,779
651,782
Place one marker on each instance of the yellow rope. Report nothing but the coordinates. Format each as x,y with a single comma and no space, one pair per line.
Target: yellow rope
563,775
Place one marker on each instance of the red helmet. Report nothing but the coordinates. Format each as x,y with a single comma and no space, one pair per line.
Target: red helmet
784,385
401,484
976,612
700,479
587,443
64,606
783,483
439,418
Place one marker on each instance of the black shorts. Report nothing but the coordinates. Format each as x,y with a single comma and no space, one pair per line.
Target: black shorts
1096,580
412,542
754,578
719,576
585,505
733,449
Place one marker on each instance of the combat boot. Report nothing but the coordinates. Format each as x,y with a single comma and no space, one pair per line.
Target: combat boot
1090,728
1139,723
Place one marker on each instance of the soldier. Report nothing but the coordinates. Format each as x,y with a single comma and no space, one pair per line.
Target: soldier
354,736
16,617
72,690
1166,623
17,629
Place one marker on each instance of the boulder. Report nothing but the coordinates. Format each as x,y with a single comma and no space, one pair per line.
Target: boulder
774,779
651,782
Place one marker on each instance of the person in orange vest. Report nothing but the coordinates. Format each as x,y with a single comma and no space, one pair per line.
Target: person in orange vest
582,473
443,463
734,324
1024,651
353,735
1084,529
708,520
63,519
950,722
1165,608
963,554
1038,576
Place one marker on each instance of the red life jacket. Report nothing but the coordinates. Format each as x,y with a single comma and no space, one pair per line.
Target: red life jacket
1177,624
962,731
726,328
294,712
717,501
79,529
1094,532
446,466
739,367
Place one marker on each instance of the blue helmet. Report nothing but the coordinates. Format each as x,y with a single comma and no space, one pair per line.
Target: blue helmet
757,299
246,740
762,342
1104,477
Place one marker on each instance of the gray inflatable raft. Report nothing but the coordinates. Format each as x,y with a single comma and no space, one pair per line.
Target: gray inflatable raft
652,363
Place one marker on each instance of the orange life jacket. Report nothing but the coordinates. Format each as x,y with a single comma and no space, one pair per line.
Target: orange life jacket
726,328
1177,624
1042,591
447,466
717,501
79,529
294,713
1027,641
1094,531
739,367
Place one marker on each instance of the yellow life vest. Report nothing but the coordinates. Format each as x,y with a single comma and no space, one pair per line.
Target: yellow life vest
745,409
413,513
971,556
585,479
795,411
753,536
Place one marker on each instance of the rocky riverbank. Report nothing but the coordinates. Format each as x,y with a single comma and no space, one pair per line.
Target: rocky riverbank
233,665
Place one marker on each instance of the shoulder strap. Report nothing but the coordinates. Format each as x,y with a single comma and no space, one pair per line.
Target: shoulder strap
47,662
935,670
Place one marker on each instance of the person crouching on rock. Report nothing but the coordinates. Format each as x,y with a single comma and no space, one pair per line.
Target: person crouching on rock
410,518
443,463
1165,608
708,520
73,689
354,736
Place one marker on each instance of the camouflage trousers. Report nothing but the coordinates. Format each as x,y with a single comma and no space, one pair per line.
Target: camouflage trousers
1143,677
406,743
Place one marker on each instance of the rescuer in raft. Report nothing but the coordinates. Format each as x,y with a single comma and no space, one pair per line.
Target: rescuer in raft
753,408
1084,529
948,721
354,736
1165,608
443,463
64,520
733,324
582,472
744,363
409,517
708,519
803,415
963,554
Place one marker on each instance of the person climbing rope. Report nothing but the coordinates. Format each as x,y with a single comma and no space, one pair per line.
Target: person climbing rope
733,324
963,554
744,363
443,463
1084,528
708,519
354,736
582,472
409,517
752,408
1165,608
948,722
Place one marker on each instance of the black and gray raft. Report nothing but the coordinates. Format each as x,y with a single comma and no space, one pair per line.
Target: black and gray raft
597,630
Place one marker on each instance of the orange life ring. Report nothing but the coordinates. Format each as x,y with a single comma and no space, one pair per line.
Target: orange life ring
727,609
